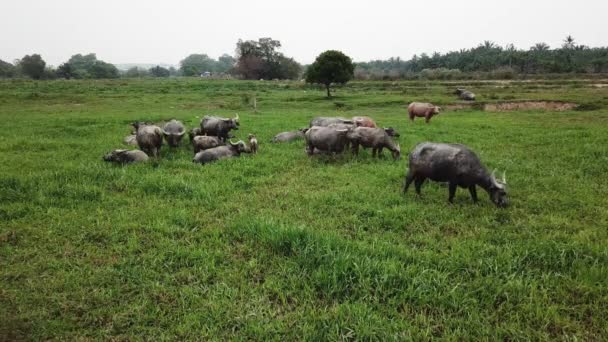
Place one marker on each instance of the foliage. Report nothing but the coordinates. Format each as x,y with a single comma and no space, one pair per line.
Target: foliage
65,70
261,60
159,71
489,57
134,72
87,66
32,66
7,70
280,246
330,67
196,64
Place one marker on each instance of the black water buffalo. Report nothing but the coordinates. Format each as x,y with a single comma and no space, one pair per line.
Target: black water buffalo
289,136
457,165
126,156
375,138
219,127
326,121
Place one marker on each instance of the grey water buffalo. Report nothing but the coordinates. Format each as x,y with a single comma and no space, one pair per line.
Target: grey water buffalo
457,165
464,94
325,139
174,132
126,156
364,121
253,143
149,138
219,127
375,138
391,132
422,110
204,142
130,140
221,152
194,132
289,136
326,121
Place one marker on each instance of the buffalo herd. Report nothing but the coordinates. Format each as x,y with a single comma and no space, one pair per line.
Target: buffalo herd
454,164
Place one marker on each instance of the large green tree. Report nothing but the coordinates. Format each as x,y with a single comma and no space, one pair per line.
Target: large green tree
330,67
7,69
195,64
32,66
159,71
261,60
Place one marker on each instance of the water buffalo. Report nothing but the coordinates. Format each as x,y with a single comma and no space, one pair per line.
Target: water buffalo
253,143
220,152
375,138
457,165
326,121
194,132
325,139
464,94
364,121
423,110
174,132
126,156
130,140
391,132
289,136
219,127
204,142
149,138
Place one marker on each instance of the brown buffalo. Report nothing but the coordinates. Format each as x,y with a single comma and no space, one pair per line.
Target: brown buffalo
364,121
422,110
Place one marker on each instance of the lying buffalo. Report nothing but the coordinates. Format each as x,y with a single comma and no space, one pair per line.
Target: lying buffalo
464,94
422,110
174,132
219,127
204,142
326,121
149,138
220,152
458,166
126,156
289,136
130,140
326,139
375,138
364,121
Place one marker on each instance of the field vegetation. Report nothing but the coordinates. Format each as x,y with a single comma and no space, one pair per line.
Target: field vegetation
280,246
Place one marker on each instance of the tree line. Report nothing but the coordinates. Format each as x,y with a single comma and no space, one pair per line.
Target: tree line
493,61
261,59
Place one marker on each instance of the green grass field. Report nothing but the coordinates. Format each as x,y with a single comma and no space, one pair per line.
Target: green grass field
280,246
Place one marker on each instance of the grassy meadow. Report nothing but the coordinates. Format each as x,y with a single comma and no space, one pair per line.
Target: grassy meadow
280,246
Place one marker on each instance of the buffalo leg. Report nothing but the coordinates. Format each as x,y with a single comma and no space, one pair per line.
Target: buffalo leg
473,192
408,180
355,149
374,151
380,155
427,119
452,189
418,184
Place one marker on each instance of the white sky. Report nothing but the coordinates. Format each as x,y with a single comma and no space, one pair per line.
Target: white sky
155,31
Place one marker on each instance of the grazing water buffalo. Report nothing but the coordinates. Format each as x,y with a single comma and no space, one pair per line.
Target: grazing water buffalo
219,127
422,110
326,121
220,152
204,142
457,165
174,132
376,138
391,132
130,140
149,138
325,139
289,136
253,143
126,156
364,121
464,94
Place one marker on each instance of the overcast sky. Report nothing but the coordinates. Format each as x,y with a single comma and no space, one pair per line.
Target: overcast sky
159,31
